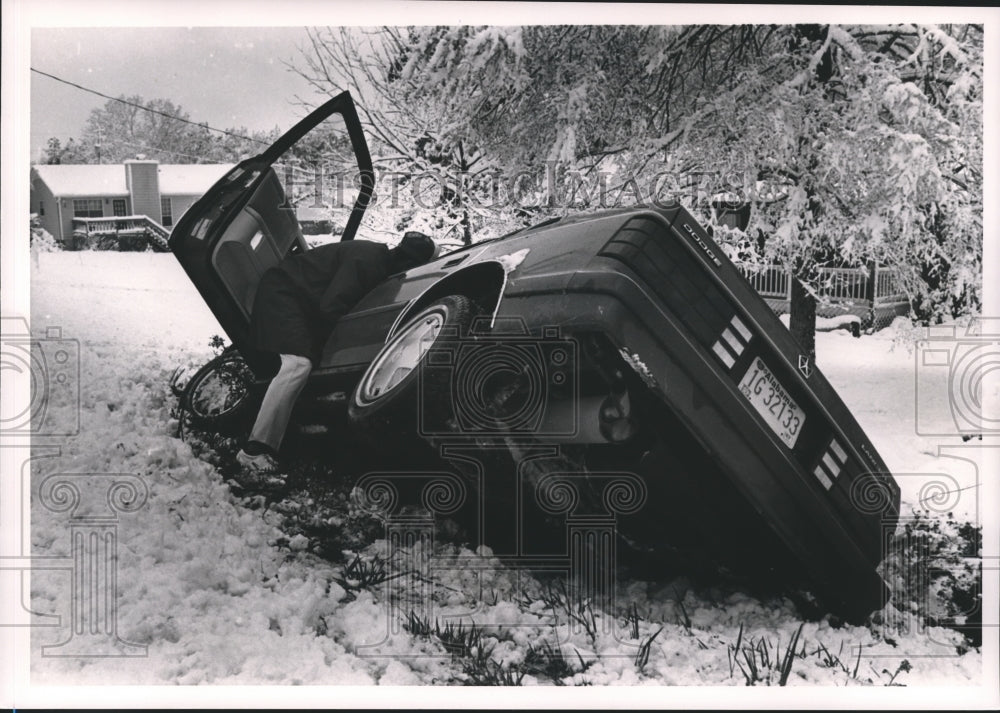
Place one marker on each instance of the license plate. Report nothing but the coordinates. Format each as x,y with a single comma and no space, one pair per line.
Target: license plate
772,402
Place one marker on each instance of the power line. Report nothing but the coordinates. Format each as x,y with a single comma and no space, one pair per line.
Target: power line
142,146
146,108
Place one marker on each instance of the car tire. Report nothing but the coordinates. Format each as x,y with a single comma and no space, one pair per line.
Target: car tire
222,396
387,400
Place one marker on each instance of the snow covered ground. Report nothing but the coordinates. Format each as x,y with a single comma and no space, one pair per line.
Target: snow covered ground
217,592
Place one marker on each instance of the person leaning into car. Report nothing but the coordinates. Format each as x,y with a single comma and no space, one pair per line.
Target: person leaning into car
297,304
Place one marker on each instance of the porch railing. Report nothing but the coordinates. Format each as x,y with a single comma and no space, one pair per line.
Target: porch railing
109,230
772,281
841,284
887,287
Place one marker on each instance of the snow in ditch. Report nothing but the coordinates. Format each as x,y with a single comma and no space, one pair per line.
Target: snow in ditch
218,595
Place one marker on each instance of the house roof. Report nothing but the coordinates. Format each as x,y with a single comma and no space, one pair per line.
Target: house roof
190,178
84,180
109,179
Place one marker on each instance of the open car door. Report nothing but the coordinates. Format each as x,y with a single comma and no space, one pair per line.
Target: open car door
249,220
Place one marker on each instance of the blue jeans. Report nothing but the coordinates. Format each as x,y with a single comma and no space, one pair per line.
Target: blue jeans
279,400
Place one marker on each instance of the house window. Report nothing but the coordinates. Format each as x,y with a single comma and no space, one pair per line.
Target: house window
168,218
88,208
118,204
41,207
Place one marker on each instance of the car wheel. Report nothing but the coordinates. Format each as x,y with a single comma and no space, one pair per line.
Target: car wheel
386,400
221,396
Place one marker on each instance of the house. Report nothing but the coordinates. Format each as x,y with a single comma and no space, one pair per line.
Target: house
75,200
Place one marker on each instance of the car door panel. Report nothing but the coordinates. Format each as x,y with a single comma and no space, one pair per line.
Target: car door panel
359,336
258,237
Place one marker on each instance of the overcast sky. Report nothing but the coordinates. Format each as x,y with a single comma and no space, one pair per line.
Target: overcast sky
226,76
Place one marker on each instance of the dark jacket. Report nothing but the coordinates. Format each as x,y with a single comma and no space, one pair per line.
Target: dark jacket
299,300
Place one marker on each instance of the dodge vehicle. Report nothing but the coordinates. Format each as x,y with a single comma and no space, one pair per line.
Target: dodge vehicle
626,336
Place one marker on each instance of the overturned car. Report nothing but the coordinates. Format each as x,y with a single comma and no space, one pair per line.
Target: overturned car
625,338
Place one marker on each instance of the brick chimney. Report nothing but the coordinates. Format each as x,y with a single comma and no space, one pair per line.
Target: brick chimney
142,179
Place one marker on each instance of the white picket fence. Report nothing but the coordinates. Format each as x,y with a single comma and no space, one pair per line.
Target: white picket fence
837,284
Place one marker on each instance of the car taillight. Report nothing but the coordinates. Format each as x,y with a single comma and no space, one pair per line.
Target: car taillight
734,339
830,465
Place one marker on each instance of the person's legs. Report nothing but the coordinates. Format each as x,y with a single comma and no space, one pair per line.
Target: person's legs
276,408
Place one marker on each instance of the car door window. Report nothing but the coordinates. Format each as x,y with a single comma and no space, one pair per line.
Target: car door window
320,178
305,198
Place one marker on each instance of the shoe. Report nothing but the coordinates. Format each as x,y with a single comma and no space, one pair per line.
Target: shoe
263,463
